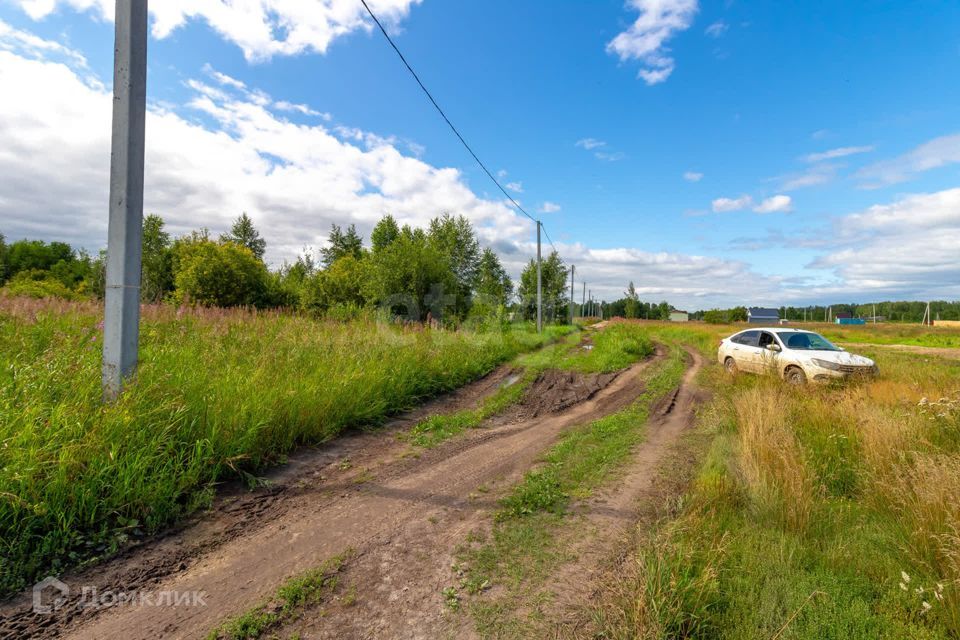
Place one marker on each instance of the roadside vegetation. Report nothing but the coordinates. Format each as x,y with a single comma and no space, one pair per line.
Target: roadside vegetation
218,394
309,589
819,512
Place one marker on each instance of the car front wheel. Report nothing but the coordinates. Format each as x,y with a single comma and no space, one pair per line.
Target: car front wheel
730,365
795,376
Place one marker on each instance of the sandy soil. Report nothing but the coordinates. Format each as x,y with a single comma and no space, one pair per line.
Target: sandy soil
400,511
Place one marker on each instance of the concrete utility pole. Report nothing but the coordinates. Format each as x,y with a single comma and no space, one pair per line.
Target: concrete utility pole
874,314
121,323
539,285
583,300
573,269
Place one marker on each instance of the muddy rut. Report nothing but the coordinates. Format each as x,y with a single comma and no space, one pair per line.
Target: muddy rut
400,513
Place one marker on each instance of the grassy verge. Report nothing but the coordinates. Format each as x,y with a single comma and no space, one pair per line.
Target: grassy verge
218,393
824,512
522,548
308,589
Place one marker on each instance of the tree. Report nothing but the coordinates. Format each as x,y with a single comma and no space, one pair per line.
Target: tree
246,235
157,261
3,259
217,274
663,310
737,314
632,306
554,287
341,244
342,283
494,286
384,233
454,238
410,276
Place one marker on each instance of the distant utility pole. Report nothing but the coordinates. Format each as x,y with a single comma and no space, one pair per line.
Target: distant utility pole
539,285
583,300
121,322
573,269
874,314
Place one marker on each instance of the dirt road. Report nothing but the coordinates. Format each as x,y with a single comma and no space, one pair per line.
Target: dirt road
401,514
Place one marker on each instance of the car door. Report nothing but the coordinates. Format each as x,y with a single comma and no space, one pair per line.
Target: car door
768,361
746,351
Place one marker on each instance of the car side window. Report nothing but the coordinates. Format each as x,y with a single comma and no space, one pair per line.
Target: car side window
766,339
748,338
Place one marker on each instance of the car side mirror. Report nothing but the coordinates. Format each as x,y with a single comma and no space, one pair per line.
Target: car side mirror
774,347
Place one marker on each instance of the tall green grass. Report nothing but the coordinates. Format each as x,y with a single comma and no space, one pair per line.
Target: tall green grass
218,393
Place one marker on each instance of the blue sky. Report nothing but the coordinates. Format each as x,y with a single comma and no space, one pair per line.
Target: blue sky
713,153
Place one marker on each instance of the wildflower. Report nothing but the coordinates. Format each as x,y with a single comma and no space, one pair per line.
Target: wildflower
903,586
906,578
938,596
926,607
919,590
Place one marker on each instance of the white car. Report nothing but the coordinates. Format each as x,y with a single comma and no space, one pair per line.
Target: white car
793,354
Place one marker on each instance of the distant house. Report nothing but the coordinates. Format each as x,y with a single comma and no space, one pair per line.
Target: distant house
679,316
843,315
759,315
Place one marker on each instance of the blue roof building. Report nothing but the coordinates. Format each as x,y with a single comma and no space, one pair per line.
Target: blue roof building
759,315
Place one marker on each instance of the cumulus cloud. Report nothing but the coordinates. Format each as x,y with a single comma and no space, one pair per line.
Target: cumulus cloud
906,248
775,204
839,152
646,39
692,176
261,28
293,179
929,155
725,205
516,186
548,207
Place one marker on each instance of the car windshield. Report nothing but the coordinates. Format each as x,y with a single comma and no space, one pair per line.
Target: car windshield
807,342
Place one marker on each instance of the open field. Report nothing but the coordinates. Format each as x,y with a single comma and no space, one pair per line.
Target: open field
218,394
820,512
610,483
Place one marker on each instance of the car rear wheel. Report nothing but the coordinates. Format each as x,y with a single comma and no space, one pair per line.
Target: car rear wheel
795,376
730,365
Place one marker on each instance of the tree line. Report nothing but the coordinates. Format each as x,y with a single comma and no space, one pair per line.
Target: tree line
439,273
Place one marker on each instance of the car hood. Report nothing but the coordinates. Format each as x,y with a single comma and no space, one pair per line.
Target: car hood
840,357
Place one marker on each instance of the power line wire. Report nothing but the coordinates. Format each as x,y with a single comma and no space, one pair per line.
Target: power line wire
443,115
544,228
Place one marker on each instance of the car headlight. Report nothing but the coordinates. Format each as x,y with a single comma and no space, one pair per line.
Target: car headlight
826,364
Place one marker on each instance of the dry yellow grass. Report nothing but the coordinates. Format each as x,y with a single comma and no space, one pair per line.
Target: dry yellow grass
770,458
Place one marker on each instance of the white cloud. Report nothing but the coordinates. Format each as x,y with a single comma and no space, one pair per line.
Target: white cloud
839,152
646,38
692,176
516,187
36,48
293,179
548,207
223,78
261,28
775,204
283,105
717,29
904,249
724,205
929,155
813,176
590,143
610,156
